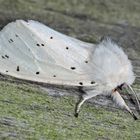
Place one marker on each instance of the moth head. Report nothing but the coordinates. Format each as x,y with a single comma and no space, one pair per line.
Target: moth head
112,67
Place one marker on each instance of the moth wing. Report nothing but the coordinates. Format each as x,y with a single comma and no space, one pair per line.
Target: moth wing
69,40
33,51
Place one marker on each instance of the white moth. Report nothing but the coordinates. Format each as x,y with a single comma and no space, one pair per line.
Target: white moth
33,51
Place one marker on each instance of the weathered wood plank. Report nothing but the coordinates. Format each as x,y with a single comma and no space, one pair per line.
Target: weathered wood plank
32,111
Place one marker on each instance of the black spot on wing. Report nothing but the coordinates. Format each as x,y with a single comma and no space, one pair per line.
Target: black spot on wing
16,35
40,44
73,68
3,57
6,56
18,68
37,44
37,72
92,82
80,83
10,40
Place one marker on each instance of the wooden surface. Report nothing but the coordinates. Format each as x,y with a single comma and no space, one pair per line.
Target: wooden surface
32,111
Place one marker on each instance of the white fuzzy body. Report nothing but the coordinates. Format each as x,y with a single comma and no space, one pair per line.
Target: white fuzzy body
112,67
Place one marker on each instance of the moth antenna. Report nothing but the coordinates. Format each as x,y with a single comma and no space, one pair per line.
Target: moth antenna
131,112
136,75
137,98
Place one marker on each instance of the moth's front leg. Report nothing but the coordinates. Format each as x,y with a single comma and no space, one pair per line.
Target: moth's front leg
119,101
78,105
85,96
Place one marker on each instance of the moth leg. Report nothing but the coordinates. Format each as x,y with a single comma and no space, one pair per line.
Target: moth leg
85,96
120,101
78,106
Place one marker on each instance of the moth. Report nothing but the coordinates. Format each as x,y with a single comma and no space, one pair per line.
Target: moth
32,51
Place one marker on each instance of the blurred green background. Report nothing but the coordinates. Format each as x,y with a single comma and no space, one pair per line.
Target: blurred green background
30,111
